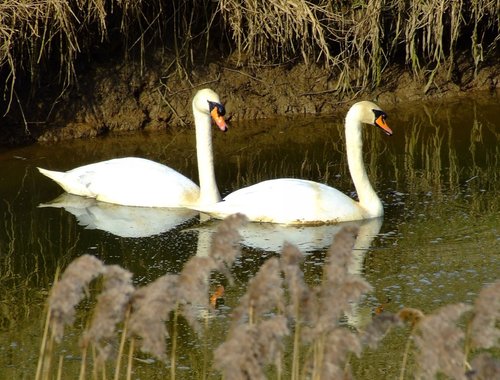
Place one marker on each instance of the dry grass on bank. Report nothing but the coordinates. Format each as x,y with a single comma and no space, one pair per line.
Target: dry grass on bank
357,40
277,306
47,37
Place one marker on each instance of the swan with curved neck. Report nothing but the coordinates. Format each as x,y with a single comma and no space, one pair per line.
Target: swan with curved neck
297,201
133,181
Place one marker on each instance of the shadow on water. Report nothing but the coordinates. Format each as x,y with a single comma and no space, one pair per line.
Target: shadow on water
438,178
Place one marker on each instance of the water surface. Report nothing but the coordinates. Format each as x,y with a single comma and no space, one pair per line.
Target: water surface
439,241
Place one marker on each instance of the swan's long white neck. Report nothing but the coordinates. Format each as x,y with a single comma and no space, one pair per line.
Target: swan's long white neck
209,193
368,198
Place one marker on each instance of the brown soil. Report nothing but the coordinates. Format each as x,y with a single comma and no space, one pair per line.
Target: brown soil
118,98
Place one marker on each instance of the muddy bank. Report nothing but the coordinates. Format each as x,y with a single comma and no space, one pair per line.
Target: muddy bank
125,97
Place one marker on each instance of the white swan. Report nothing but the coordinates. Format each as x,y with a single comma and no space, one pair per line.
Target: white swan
133,181
297,201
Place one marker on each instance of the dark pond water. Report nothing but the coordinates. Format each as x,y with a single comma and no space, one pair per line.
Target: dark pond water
438,243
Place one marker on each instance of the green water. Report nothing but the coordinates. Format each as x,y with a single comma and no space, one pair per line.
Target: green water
439,241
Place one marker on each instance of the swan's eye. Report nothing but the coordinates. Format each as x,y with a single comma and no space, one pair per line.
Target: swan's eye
380,121
379,113
220,108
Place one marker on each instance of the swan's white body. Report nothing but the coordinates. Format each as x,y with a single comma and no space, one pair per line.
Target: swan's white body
133,181
297,201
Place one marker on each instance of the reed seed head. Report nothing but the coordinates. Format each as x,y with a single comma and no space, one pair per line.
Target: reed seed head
150,308
300,306
485,323
110,309
67,293
193,286
339,289
225,246
249,348
440,343
411,316
339,344
484,367
378,329
264,292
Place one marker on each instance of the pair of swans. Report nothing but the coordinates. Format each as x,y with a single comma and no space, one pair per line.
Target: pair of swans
138,182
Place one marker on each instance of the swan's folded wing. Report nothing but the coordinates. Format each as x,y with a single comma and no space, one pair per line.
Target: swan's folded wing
129,181
288,201
138,182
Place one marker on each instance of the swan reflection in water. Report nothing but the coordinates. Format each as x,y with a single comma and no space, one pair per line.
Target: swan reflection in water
137,222
271,237
123,221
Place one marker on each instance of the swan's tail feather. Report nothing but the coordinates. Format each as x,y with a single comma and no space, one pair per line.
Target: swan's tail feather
67,183
53,175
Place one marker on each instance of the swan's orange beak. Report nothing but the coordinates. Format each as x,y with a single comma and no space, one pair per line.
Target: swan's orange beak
219,119
380,122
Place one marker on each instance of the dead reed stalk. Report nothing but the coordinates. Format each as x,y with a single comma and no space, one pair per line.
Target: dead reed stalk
67,293
257,332
485,331
357,41
64,297
265,316
152,304
440,343
264,294
300,296
225,246
150,309
249,347
109,311
339,290
194,279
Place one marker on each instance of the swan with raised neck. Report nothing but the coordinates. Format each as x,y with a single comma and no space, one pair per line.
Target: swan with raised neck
298,201
134,181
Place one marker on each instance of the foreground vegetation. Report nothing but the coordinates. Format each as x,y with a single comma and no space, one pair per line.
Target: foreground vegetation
278,307
48,42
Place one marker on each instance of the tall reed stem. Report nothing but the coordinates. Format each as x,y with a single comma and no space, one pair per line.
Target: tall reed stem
83,363
130,356
319,351
205,351
405,356
59,367
122,345
467,344
296,350
174,343
43,347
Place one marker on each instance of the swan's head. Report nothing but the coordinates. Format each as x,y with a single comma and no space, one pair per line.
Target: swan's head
369,113
207,102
